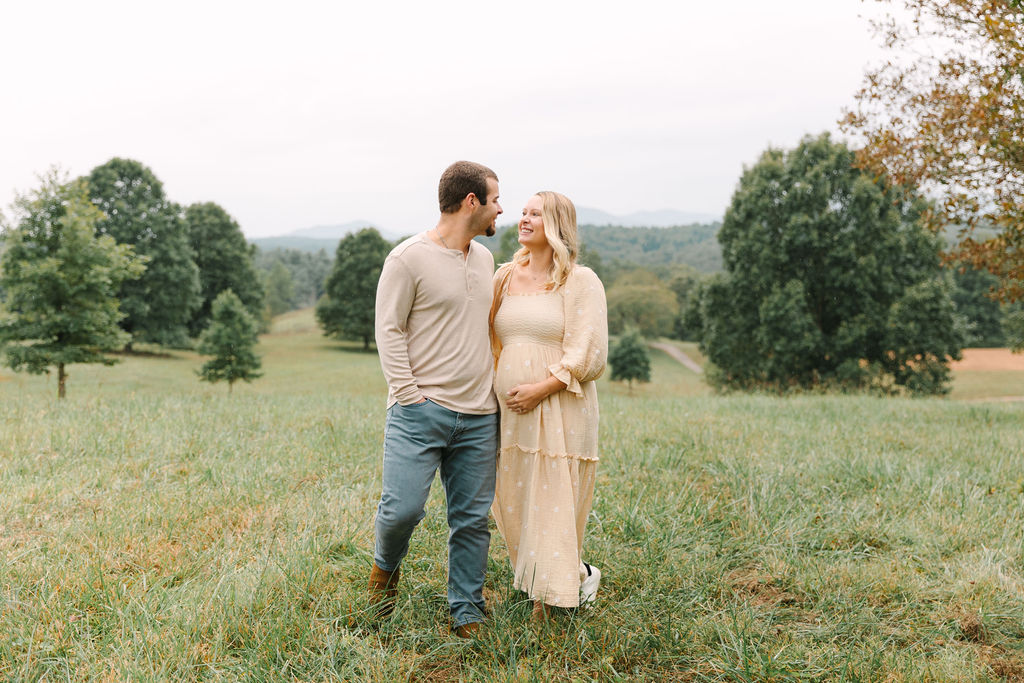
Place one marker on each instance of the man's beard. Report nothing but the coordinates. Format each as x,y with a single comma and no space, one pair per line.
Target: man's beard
489,231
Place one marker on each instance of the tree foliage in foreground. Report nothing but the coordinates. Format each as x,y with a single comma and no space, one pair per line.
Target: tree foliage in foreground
158,305
60,281
945,113
346,310
830,279
629,359
230,339
225,261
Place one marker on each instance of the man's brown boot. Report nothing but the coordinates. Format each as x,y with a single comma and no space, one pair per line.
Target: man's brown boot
383,590
470,630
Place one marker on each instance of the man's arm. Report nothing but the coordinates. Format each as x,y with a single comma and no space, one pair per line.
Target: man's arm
396,291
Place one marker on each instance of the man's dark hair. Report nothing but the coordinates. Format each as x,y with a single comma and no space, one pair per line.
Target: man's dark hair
460,179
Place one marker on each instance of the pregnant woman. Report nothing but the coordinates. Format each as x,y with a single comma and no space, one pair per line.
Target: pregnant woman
550,335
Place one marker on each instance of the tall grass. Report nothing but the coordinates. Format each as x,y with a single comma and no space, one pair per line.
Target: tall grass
154,528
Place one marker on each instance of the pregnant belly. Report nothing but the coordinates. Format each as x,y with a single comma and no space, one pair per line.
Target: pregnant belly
522,364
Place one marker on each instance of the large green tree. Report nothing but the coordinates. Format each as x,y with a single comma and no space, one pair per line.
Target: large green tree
225,261
831,278
60,282
346,310
230,338
158,305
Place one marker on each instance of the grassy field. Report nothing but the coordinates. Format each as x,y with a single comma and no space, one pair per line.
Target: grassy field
154,528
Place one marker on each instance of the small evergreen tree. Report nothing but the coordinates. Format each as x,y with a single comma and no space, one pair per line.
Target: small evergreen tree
629,359
60,281
230,339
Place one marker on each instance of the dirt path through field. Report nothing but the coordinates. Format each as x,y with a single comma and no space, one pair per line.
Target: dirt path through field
675,353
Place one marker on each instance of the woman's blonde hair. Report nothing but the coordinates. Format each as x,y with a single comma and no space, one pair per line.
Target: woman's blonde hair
559,216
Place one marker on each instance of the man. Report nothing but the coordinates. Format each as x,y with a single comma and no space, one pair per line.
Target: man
433,301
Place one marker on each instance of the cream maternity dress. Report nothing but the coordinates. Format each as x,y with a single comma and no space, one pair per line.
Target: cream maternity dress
548,459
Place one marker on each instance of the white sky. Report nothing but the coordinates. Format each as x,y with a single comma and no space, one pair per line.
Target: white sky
293,114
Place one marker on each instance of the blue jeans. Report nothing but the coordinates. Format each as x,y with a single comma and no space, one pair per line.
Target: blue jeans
418,439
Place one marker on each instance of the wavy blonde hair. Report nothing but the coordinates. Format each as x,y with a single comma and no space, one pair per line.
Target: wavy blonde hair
559,216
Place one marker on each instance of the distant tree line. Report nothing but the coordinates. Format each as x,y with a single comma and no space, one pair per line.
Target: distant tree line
821,275
292,278
611,250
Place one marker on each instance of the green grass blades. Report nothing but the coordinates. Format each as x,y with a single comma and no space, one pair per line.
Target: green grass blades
154,528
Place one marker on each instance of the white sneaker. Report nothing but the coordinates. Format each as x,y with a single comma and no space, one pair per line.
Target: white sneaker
588,587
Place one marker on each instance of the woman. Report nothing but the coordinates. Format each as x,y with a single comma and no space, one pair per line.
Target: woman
550,335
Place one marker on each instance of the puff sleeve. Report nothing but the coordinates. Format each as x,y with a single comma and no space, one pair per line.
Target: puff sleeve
585,341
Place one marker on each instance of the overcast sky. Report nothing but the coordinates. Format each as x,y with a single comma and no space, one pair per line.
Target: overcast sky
297,114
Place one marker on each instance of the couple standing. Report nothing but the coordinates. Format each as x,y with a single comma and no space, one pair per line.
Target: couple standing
460,345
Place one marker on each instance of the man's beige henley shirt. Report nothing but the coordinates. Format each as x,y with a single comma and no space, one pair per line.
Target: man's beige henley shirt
431,325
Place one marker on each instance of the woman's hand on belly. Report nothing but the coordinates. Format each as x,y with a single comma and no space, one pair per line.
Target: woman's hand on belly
523,398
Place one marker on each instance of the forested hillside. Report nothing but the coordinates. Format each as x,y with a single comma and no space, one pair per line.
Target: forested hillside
693,245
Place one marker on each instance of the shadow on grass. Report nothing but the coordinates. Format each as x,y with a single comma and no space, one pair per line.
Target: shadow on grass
149,353
354,348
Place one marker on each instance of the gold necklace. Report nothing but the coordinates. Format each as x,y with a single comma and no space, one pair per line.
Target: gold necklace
536,277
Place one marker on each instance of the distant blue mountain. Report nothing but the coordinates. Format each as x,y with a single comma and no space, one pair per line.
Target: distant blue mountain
332,232
662,218
309,244
318,237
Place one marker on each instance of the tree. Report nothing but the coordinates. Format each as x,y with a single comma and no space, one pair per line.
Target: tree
591,259
629,359
508,243
280,289
828,275
230,339
945,113
689,324
983,314
1013,324
347,309
158,305
225,261
686,283
638,299
60,281
308,271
